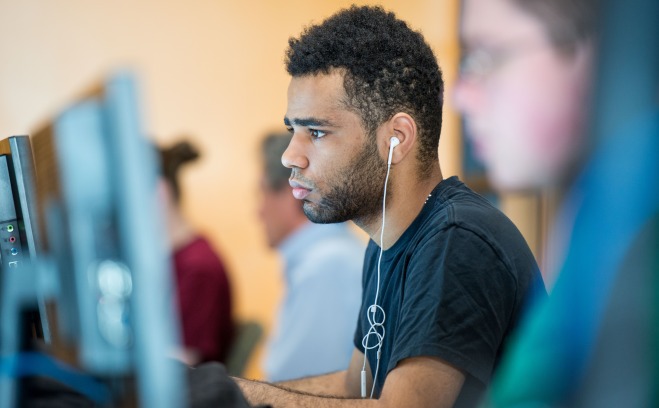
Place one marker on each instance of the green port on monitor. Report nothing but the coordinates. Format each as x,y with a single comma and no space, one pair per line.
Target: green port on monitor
10,228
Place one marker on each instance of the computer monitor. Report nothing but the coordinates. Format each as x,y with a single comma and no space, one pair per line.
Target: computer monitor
96,191
18,235
17,203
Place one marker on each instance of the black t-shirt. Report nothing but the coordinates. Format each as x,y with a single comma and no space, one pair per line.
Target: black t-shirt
452,287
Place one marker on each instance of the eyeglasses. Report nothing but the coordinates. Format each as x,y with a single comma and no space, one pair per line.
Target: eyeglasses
483,61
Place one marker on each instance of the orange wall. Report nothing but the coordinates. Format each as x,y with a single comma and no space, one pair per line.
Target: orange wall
212,69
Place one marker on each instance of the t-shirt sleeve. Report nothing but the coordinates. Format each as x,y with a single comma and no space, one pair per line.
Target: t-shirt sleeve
457,301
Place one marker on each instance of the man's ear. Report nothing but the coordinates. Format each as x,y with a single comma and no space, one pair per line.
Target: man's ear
403,127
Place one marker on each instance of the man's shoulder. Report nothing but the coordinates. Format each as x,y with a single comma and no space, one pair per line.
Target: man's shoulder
463,208
198,258
332,240
336,253
460,207
472,219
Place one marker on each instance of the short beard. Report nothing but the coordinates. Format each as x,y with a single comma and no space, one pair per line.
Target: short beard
356,190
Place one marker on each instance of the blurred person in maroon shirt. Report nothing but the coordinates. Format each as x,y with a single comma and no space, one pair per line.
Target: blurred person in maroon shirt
202,284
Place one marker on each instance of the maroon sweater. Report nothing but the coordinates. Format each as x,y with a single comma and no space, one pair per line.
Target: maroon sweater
204,299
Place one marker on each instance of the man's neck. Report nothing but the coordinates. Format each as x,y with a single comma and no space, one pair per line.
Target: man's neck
403,205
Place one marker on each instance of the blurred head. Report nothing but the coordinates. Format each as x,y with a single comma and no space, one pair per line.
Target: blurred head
351,75
279,211
172,158
524,87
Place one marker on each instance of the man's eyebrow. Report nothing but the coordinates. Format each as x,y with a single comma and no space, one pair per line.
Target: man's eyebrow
307,122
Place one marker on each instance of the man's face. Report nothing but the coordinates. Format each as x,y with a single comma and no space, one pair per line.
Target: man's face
336,168
522,100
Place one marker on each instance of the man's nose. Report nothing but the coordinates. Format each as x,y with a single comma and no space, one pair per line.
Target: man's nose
294,156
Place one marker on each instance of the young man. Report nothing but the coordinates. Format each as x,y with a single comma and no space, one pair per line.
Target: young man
446,275
322,271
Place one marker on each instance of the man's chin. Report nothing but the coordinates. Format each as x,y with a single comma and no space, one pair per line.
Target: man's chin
319,215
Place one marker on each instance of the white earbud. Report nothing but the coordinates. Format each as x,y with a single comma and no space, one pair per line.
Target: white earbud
393,142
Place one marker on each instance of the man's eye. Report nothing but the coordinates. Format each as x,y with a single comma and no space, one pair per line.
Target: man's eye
316,133
290,130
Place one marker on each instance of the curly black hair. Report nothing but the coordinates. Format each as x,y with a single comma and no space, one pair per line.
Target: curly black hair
388,68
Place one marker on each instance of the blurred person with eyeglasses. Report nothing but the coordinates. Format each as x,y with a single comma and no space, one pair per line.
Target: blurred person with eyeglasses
527,93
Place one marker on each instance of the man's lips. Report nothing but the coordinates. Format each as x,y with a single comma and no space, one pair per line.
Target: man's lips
299,191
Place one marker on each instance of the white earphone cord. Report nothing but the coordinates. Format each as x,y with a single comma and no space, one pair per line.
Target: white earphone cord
374,325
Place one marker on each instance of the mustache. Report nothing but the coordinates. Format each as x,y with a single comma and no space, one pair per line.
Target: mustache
300,179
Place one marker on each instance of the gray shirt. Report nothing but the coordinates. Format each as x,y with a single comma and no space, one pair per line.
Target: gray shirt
317,318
